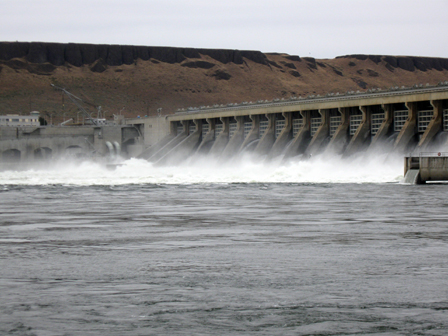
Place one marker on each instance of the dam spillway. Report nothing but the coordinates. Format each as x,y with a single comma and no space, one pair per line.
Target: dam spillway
399,120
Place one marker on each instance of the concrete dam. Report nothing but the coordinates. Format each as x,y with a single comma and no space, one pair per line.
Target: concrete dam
404,121
398,120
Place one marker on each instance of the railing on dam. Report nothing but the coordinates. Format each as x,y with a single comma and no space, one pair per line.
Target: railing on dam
433,154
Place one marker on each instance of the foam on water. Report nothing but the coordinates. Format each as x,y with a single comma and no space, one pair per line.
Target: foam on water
319,169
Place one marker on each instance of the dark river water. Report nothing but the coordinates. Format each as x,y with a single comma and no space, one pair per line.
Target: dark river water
224,259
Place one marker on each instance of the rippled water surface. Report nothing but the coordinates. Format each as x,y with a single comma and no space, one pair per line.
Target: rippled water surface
220,258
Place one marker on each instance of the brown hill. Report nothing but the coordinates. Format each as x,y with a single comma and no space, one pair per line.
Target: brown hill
136,80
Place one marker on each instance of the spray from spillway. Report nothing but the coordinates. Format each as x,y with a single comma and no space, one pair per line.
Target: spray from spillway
318,169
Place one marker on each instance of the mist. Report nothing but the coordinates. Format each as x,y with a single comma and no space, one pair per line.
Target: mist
324,168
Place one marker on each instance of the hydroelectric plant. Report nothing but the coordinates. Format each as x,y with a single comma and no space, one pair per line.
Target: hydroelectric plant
398,120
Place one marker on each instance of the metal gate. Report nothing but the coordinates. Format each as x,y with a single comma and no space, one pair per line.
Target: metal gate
247,128
375,123
400,118
297,124
218,129
279,126
445,120
205,129
263,127
315,124
191,129
232,129
335,122
355,121
423,119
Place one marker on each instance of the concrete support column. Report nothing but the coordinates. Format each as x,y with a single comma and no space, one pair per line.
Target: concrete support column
268,138
149,152
283,138
185,127
28,154
173,128
341,137
160,151
321,135
222,139
302,138
198,124
184,148
254,133
408,131
236,140
362,134
434,127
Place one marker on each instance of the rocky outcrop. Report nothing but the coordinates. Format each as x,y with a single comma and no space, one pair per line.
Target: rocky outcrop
114,55
221,75
100,56
408,63
289,65
198,64
311,62
293,58
99,66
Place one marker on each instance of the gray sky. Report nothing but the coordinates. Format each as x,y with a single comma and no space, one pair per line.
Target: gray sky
317,28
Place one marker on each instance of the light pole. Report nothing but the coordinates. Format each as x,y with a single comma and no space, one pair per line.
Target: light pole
77,117
159,114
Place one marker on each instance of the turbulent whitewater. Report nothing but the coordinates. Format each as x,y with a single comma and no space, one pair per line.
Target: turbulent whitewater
320,169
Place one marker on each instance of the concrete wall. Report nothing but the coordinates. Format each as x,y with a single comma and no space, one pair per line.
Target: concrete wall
29,142
153,129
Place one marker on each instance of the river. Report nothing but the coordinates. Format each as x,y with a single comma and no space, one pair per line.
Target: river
318,247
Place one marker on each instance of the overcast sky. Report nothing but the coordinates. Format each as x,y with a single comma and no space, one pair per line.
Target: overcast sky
317,28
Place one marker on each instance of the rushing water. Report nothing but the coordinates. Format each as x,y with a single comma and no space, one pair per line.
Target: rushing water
318,247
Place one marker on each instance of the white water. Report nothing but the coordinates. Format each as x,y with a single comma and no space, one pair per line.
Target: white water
318,169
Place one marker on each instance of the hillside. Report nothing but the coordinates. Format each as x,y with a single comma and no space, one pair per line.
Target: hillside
136,80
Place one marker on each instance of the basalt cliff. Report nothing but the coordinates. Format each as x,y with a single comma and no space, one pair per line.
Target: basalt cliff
138,80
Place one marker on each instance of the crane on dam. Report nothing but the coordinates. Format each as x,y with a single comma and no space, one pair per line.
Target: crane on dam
77,101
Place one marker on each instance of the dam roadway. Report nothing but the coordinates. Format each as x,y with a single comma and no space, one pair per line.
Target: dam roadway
399,120
320,102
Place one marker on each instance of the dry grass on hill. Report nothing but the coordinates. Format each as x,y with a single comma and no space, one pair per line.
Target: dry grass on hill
142,87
